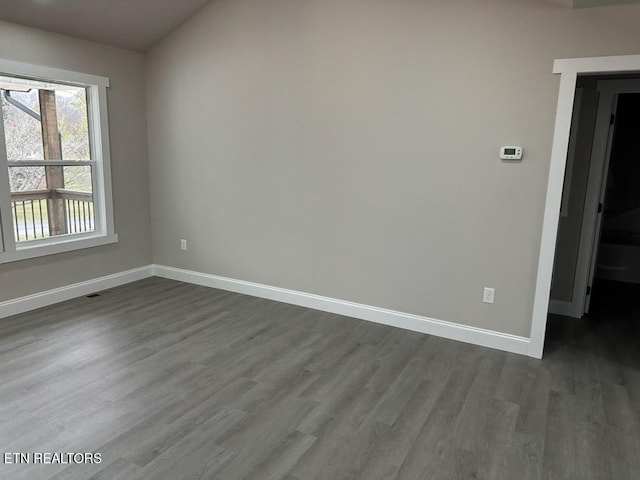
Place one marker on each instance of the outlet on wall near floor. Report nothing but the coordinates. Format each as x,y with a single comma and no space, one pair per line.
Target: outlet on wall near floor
488,295
183,244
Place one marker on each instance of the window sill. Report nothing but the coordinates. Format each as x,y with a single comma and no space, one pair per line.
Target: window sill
57,246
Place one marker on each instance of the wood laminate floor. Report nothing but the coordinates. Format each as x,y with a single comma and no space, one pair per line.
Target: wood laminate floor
174,381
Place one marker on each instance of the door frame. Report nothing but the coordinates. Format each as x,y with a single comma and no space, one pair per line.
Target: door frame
568,69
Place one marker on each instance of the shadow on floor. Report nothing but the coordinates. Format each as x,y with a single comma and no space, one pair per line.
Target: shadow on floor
610,330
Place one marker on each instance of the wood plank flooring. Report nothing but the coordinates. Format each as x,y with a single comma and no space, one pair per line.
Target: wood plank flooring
174,381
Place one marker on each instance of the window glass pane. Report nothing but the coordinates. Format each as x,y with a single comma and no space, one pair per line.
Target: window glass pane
78,200
41,212
73,124
30,219
47,121
78,179
22,179
44,120
23,134
29,196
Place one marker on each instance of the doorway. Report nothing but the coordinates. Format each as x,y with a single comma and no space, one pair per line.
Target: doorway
600,207
569,70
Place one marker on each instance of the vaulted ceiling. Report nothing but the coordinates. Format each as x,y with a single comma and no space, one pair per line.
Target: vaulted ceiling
135,24
593,3
131,24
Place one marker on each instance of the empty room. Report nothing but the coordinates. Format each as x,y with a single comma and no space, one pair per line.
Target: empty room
319,239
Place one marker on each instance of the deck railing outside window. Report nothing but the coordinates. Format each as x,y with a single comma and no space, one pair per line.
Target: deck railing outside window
31,212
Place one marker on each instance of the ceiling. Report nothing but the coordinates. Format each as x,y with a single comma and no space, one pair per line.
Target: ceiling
131,24
593,3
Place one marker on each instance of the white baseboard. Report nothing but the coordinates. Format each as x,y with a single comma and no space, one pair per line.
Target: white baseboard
562,307
453,331
43,299
417,323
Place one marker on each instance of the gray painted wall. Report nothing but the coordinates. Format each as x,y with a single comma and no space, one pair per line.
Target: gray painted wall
127,123
349,148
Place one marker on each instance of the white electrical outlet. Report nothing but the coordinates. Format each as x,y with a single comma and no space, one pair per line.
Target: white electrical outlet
183,244
488,295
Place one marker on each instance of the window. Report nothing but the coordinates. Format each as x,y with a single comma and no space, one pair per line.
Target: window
55,182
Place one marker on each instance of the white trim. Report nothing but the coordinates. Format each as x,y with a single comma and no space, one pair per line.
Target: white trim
7,240
66,243
569,69
416,323
52,163
593,65
552,213
41,72
39,300
101,152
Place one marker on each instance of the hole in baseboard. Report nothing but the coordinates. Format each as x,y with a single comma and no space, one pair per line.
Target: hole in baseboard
93,295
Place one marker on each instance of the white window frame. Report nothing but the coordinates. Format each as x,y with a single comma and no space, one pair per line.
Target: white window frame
96,87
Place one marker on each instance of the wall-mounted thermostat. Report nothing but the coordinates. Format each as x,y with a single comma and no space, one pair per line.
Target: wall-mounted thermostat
511,153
